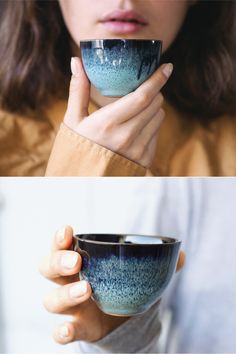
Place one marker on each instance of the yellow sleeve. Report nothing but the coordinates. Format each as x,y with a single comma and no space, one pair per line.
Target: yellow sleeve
74,155
25,144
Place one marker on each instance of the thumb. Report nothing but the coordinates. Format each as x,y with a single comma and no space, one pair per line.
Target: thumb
181,261
79,93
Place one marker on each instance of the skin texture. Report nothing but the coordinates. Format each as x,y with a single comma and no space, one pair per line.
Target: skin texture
130,132
89,323
124,127
164,20
83,20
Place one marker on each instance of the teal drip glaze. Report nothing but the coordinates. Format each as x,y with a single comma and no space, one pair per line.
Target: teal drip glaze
115,72
127,286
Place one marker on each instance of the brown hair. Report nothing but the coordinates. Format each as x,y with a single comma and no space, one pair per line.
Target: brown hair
36,48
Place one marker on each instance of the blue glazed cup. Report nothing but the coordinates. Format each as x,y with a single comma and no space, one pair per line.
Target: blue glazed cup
117,67
127,273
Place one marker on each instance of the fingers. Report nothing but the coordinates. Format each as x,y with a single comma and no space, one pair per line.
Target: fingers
152,127
60,263
157,80
79,94
139,150
61,299
150,152
141,120
69,332
63,239
181,261
135,102
64,333
148,139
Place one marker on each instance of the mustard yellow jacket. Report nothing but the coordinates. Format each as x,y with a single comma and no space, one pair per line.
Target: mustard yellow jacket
43,144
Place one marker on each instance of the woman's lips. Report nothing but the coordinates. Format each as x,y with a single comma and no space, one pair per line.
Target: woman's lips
122,27
123,21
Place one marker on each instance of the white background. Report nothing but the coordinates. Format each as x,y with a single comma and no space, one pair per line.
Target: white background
32,209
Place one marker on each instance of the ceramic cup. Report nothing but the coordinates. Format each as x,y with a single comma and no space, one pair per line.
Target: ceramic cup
117,67
127,273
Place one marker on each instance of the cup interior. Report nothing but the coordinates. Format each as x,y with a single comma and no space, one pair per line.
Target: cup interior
127,239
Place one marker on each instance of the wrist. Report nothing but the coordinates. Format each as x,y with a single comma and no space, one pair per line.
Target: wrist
110,323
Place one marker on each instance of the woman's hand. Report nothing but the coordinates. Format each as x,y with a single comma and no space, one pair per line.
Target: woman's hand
128,126
72,297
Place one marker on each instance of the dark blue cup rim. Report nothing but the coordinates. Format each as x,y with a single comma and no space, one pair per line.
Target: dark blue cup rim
169,240
121,40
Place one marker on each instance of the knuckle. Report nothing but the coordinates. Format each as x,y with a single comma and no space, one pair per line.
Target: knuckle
160,99
47,304
45,268
159,116
59,337
124,141
146,162
142,99
53,302
162,113
106,128
138,152
121,145
54,262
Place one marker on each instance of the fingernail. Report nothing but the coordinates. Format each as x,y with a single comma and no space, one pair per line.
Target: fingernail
167,70
69,260
61,235
63,331
74,67
79,289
